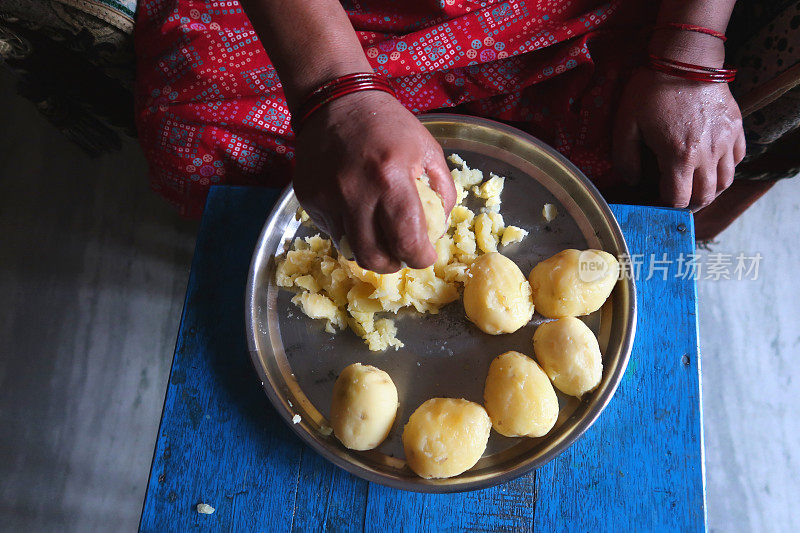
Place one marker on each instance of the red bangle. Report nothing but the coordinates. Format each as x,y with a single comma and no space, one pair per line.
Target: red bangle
691,27
336,88
690,71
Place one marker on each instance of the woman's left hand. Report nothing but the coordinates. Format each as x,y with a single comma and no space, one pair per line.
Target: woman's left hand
694,129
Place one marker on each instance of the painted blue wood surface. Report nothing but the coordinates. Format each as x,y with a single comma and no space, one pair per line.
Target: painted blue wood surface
640,465
221,443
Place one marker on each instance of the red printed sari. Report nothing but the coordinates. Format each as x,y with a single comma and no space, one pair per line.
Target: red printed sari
210,108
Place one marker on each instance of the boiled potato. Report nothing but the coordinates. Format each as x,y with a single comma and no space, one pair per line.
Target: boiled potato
445,437
497,298
512,234
345,250
433,209
484,238
569,354
364,406
519,397
573,282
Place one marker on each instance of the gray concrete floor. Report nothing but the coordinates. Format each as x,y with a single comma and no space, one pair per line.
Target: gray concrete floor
93,268
750,345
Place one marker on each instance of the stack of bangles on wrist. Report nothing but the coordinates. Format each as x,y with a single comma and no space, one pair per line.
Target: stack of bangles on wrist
337,88
689,71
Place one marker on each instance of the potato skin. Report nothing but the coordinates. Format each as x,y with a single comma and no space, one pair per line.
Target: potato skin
445,437
433,209
560,289
497,297
568,352
519,397
364,406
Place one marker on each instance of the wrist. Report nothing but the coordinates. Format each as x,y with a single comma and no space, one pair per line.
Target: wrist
338,89
689,47
304,82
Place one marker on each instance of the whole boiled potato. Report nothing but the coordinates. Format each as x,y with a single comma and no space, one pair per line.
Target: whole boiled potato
519,397
445,437
433,209
497,298
569,354
364,406
573,282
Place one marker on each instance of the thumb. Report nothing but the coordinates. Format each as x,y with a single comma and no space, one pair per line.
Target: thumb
627,146
441,181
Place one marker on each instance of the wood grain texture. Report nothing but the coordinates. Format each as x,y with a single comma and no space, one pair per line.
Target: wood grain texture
507,507
221,443
328,498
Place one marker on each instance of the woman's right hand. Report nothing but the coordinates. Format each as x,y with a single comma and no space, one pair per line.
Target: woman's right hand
356,162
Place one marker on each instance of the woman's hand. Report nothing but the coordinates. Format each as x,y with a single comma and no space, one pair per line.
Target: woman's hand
357,159
694,129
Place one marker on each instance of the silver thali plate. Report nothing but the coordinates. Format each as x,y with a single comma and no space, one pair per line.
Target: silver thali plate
444,355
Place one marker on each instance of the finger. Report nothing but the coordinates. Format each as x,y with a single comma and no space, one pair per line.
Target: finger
704,187
739,148
404,228
362,233
725,171
675,184
627,150
441,181
394,264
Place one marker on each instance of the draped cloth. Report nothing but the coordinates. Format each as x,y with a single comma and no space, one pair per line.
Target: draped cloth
210,107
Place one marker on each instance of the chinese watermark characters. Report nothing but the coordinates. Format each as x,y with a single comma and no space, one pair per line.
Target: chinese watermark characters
714,266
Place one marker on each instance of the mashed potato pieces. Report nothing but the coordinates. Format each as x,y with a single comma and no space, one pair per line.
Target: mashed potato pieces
490,191
337,290
319,306
488,228
549,212
512,234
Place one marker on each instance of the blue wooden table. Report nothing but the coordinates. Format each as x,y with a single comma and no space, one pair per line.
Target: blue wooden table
640,466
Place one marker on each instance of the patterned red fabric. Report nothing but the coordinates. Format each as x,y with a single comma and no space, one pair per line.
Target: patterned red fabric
210,108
